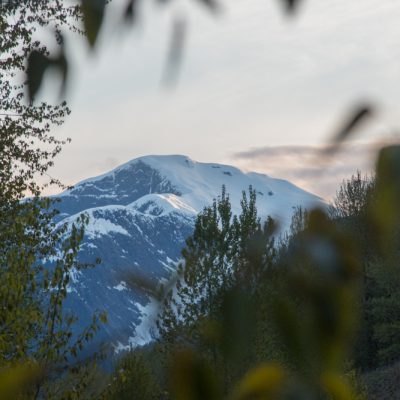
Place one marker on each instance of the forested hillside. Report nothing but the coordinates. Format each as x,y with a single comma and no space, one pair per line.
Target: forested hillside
252,313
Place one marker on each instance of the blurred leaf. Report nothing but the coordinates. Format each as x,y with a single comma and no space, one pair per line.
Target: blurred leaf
238,324
290,330
330,248
174,57
62,65
130,12
384,206
291,6
141,283
192,378
212,5
103,317
351,123
316,313
14,380
263,382
336,387
37,66
93,14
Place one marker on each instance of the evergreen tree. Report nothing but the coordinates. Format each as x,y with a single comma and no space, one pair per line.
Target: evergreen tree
133,379
204,271
224,262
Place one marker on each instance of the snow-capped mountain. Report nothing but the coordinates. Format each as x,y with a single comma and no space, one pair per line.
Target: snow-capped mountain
140,214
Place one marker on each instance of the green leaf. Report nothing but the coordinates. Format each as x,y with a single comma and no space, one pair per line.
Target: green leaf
264,382
192,378
37,66
17,378
103,318
336,387
93,14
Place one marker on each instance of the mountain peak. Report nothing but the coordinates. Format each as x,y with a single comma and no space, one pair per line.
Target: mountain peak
140,215
196,184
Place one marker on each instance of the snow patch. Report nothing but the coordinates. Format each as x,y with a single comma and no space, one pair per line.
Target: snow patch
100,226
161,204
144,331
121,286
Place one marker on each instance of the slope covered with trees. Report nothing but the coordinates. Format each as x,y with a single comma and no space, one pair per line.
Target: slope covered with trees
313,313
246,319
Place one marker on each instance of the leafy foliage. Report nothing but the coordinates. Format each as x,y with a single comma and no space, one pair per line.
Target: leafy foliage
133,380
302,309
26,146
353,197
247,318
33,326
37,257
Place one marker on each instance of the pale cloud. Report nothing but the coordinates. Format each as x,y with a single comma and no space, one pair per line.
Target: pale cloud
249,78
308,167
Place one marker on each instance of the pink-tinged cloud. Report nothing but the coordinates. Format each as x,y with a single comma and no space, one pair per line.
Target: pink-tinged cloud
307,167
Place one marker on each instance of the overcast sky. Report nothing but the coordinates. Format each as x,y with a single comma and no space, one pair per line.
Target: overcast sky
255,88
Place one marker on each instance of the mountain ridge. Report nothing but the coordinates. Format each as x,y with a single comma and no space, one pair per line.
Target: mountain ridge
140,214
196,183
